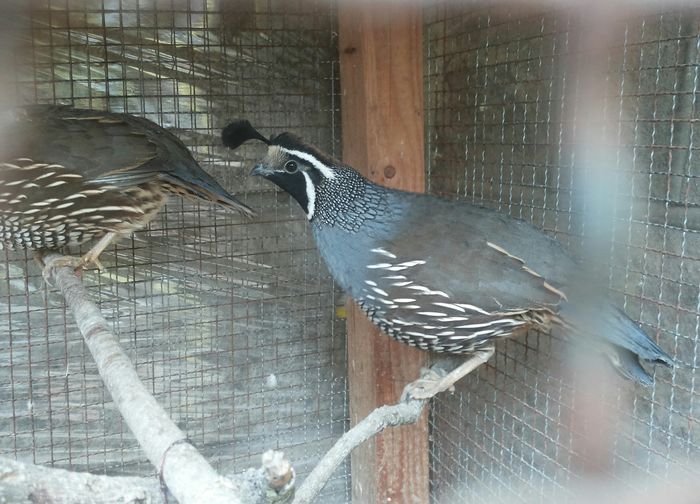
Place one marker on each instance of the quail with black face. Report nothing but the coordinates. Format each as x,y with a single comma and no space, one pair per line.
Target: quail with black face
68,176
445,276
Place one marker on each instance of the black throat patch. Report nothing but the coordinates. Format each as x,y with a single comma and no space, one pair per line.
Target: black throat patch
294,184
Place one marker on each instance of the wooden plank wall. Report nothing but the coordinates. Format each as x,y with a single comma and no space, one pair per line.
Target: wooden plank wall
381,64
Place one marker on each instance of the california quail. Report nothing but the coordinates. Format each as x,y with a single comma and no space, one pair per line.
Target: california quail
441,275
68,176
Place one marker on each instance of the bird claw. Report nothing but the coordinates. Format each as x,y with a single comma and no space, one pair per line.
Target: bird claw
78,264
86,261
436,379
59,262
430,383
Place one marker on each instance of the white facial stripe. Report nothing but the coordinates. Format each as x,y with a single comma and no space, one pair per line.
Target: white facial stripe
325,171
310,195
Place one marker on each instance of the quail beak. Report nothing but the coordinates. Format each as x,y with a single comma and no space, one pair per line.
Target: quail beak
260,170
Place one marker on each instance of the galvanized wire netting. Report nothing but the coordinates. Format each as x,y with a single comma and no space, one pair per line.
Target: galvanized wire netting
503,106
230,322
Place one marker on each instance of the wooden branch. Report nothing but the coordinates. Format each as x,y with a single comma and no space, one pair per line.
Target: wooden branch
186,473
441,377
27,483
385,416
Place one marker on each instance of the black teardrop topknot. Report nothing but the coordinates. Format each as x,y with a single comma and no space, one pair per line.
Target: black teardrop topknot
239,132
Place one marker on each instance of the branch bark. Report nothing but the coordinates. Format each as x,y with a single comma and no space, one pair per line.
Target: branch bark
185,472
379,419
441,377
31,484
26,483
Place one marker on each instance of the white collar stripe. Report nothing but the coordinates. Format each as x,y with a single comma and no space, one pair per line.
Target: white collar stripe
325,171
310,196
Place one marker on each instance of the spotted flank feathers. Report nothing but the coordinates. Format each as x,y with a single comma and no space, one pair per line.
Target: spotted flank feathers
70,176
46,206
428,318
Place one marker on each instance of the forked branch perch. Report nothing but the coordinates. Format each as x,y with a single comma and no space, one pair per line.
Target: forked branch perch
186,473
188,476
22,483
408,411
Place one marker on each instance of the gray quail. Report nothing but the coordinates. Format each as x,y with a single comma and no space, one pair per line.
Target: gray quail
445,276
68,176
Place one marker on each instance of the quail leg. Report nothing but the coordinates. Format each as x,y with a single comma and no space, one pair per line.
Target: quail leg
81,263
434,381
92,255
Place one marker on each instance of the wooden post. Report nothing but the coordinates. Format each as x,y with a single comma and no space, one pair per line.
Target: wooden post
381,77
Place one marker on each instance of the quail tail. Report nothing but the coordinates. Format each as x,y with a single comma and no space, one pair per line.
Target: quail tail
627,364
628,343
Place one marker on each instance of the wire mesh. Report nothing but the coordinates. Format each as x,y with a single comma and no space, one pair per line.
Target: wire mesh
501,92
231,323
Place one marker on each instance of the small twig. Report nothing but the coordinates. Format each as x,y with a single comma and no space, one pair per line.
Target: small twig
378,420
278,472
186,473
279,475
415,396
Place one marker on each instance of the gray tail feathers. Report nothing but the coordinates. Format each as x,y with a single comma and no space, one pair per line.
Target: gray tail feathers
624,342
627,364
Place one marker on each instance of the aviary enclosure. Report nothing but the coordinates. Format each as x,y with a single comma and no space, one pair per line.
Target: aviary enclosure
235,325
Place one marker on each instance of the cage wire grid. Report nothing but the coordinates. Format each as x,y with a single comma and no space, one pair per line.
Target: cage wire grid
500,122
231,323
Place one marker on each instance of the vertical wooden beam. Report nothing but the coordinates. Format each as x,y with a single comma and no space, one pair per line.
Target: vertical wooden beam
381,80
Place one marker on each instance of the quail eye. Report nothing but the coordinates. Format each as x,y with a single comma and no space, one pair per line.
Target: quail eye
290,166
